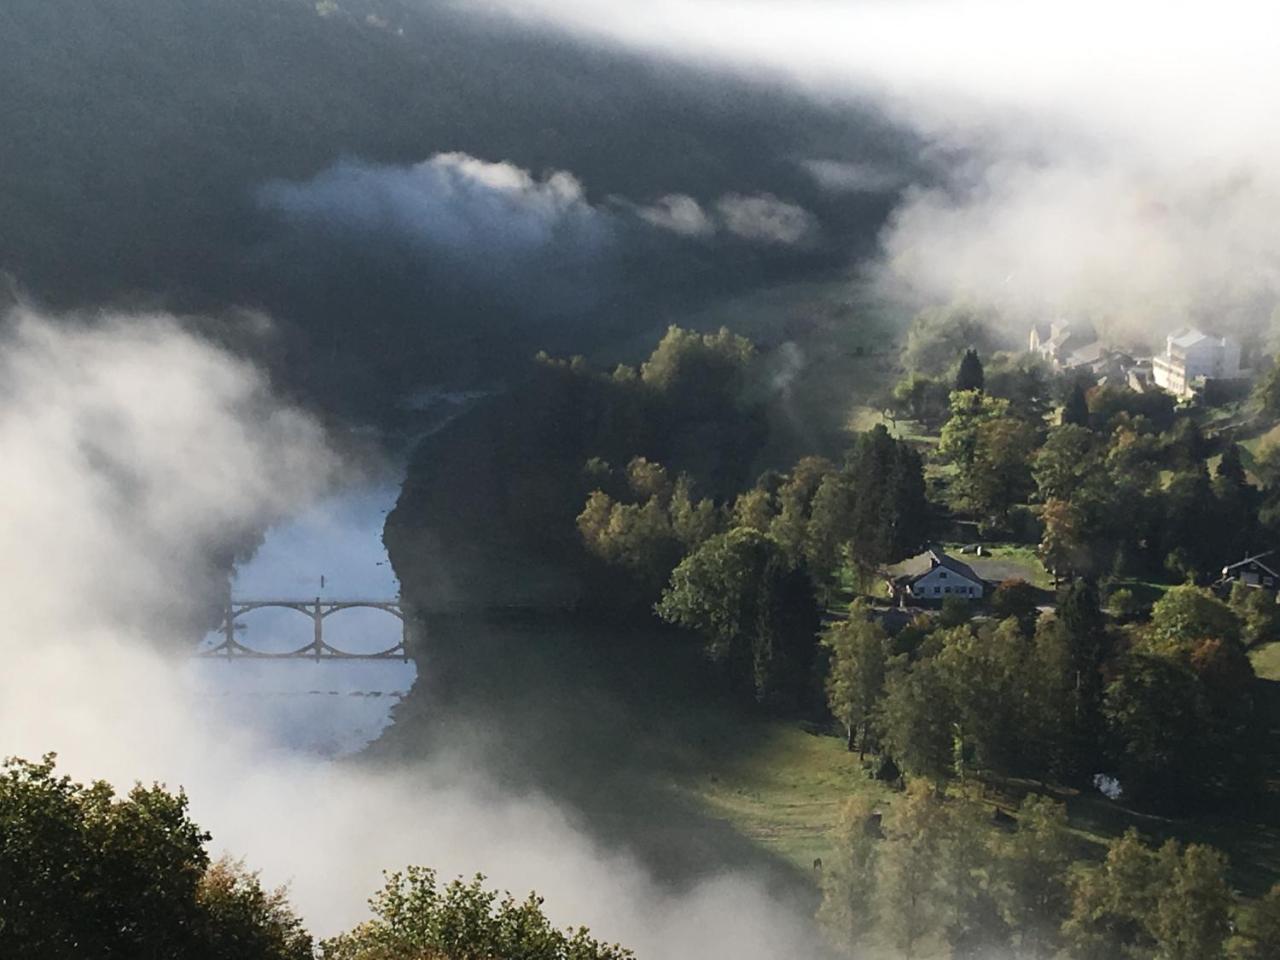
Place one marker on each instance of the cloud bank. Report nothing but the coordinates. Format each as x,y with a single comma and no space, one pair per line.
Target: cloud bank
1115,159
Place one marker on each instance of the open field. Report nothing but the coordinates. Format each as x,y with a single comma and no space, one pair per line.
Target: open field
785,792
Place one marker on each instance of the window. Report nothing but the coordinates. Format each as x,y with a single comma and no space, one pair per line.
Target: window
936,591
948,590
942,575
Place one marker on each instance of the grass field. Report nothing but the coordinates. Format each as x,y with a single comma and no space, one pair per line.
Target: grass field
785,793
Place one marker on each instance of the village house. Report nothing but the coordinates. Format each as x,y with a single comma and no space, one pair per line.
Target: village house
1252,572
933,576
1192,357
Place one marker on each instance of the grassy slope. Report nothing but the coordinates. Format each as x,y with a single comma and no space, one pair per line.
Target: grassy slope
785,792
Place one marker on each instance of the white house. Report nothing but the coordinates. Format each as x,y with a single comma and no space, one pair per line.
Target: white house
935,576
1191,357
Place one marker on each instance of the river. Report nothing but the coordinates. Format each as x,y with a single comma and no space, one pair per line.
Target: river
332,551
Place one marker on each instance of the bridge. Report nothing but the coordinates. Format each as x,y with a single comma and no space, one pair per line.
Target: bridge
318,610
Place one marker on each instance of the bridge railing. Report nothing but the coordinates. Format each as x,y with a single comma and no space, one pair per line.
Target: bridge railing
318,609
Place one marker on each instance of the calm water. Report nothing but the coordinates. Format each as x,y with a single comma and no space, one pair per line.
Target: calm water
330,708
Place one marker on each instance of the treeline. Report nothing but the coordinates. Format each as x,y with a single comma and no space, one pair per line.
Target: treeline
750,575
939,876
1165,708
85,873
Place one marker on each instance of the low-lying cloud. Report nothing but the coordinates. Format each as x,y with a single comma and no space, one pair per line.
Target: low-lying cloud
140,458
471,212
1090,157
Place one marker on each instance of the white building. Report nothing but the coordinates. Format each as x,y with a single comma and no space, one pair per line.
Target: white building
940,576
1191,357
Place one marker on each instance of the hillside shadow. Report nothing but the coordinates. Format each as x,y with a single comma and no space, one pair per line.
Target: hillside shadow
607,721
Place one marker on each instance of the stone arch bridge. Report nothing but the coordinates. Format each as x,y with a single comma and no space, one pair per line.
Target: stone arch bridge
318,611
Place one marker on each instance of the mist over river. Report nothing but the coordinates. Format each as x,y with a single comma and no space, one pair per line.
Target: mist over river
332,551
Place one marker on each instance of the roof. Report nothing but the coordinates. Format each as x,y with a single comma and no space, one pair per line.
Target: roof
1256,558
913,569
1188,337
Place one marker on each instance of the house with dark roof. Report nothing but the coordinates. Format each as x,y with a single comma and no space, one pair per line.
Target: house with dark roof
1252,572
935,575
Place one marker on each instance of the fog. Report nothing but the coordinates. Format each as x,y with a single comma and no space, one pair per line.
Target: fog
135,453
1100,158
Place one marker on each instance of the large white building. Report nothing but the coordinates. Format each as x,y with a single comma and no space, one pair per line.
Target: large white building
1191,357
933,575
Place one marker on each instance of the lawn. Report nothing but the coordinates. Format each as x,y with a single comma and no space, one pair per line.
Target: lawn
785,793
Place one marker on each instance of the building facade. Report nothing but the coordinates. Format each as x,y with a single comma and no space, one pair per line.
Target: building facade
1191,357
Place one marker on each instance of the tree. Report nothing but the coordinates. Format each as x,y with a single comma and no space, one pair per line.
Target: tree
790,525
754,610
1192,914
1263,927
1186,615
969,376
1017,599
415,920
1063,544
830,529
855,681
908,868
753,509
991,451
1031,870
970,918
918,720
1075,412
1069,460
849,878
923,399
87,873
1168,750
889,510
1266,394
245,922
1258,612
939,334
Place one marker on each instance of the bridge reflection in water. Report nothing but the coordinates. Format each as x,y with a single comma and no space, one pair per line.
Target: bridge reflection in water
317,610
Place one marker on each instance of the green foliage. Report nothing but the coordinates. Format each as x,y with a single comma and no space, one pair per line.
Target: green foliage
416,920
245,922
754,610
699,366
1169,903
991,451
1017,599
1125,605
1262,927
849,880
1031,875
1179,740
890,513
969,376
1069,460
1075,412
1258,612
917,718
85,873
1025,381
1266,394
938,337
855,677
921,398
1185,616
909,869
